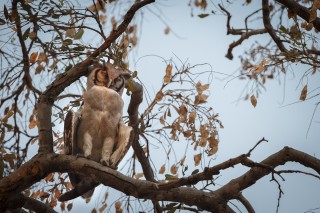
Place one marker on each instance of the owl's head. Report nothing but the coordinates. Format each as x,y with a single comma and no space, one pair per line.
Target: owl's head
108,76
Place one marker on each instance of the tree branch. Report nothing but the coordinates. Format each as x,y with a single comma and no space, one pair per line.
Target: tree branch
268,26
301,11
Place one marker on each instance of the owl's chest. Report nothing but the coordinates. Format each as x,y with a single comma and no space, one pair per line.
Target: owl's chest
103,99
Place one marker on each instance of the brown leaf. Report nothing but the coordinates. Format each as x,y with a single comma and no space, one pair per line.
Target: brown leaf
117,205
212,151
69,206
167,77
42,57
304,92
183,110
33,57
192,117
197,159
32,122
103,207
200,88
253,100
159,95
39,69
162,169
167,30
173,169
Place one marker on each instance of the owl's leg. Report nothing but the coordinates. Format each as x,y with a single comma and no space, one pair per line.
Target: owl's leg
87,145
107,148
123,140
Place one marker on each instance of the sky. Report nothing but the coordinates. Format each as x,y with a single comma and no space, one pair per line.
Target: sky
205,41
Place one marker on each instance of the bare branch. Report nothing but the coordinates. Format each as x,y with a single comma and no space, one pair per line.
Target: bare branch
268,26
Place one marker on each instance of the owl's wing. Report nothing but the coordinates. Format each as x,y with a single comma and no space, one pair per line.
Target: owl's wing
123,144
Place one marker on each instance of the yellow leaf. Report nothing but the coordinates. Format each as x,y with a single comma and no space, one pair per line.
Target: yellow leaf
173,169
253,100
33,57
304,92
162,169
197,159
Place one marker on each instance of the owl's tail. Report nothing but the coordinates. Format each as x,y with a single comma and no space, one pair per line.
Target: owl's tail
83,186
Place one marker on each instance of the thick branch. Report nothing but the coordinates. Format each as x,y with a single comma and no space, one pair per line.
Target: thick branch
43,164
268,26
287,154
301,11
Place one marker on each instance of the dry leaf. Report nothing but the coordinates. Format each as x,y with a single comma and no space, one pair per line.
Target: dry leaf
33,57
42,57
304,92
117,205
167,30
39,69
253,100
167,77
162,169
32,122
159,95
212,151
69,206
173,169
197,159
192,117
103,207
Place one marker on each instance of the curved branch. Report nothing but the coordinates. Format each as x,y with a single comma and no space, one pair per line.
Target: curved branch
268,26
287,154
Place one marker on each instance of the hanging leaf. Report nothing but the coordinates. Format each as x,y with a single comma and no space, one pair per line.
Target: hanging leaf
79,34
70,32
167,30
167,77
162,169
33,57
173,169
26,34
42,57
39,69
159,95
69,206
304,92
253,100
197,159
103,207
203,15
32,122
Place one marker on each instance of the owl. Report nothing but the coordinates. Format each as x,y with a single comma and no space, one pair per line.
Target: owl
96,131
